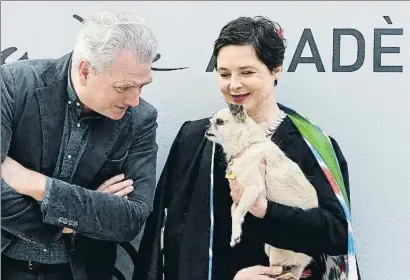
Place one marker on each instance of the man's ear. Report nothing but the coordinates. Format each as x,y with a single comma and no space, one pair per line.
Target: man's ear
238,112
84,70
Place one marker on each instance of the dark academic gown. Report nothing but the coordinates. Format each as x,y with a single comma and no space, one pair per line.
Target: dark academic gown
183,192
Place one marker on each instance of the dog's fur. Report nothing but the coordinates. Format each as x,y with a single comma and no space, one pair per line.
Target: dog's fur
247,148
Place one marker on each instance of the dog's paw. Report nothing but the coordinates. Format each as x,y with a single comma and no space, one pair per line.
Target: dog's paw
235,241
236,235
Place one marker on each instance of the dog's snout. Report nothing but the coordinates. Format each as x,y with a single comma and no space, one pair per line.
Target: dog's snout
208,130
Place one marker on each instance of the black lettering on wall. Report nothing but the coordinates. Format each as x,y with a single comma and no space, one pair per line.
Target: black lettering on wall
337,35
307,37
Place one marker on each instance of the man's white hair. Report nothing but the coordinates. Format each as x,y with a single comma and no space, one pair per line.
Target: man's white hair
106,34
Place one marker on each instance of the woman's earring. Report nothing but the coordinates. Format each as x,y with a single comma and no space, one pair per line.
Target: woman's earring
276,76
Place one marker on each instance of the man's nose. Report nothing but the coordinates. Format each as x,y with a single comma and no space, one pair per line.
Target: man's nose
133,98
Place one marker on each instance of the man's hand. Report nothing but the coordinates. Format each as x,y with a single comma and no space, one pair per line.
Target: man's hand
24,181
114,186
258,272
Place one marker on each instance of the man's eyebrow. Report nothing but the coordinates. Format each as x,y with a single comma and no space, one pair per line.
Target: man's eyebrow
123,84
131,84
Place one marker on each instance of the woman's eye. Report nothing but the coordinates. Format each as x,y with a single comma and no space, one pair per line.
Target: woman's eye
219,121
247,73
224,75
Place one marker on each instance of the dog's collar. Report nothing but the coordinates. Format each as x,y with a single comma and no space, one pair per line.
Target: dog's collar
229,172
234,156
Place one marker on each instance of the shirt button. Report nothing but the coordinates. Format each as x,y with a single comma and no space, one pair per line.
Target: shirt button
78,125
44,250
69,102
69,156
78,104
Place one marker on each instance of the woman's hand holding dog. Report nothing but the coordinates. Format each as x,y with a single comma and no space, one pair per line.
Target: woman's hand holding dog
260,206
258,209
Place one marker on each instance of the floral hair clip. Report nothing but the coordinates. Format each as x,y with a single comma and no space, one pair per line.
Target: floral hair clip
280,32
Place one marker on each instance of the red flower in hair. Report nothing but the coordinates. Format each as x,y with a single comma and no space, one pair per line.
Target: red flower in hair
280,32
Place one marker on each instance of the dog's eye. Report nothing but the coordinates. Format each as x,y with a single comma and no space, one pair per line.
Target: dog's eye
219,121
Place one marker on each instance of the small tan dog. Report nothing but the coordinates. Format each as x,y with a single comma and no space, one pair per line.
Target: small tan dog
246,148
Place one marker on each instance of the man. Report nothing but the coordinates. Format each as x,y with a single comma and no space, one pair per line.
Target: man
78,152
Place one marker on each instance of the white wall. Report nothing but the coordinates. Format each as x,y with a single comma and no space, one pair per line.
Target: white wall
366,111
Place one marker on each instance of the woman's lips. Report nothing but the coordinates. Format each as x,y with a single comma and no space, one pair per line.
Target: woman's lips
239,98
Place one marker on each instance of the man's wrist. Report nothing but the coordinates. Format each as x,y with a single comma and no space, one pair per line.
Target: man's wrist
46,198
35,185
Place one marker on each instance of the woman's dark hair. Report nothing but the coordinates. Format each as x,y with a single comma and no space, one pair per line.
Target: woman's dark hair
260,32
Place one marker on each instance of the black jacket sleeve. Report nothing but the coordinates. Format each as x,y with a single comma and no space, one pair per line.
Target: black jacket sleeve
20,215
149,259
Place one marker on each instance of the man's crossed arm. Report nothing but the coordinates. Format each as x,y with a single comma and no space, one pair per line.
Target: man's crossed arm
33,184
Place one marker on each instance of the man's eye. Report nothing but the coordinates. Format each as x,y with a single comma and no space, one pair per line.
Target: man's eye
122,89
219,121
224,75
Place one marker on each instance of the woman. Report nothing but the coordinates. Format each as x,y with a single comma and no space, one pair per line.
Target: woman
249,55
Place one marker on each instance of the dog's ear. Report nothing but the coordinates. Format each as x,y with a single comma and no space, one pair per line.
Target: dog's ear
238,112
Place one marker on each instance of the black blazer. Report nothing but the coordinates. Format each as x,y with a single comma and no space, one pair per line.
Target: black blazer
34,99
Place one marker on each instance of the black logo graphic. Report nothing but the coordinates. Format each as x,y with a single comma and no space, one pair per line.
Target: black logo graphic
9,51
157,57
